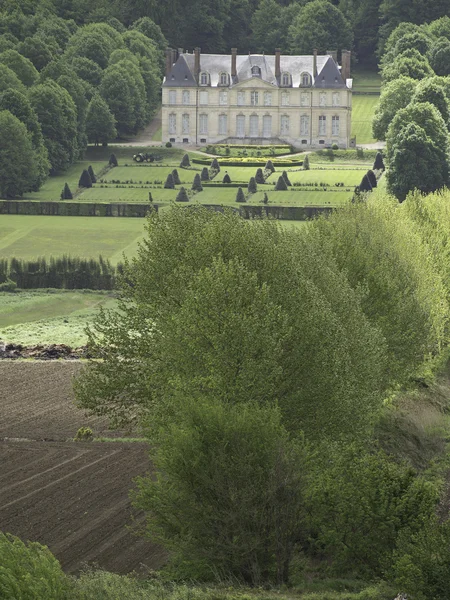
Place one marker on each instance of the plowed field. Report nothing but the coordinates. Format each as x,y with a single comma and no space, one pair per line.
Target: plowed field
70,496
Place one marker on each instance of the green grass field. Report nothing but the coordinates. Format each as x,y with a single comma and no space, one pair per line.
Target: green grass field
362,114
126,194
147,174
28,237
366,80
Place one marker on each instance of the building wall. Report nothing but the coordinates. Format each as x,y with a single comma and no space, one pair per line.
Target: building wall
299,102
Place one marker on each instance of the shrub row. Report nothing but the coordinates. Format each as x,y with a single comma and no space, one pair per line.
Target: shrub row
75,209
249,162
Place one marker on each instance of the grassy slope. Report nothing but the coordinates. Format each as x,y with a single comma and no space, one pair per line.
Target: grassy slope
364,83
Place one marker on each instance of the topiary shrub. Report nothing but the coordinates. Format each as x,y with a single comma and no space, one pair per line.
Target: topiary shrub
204,174
259,177
92,174
185,162
168,144
226,178
372,178
269,166
240,195
215,165
252,186
113,161
8,286
286,178
176,177
197,183
182,196
266,198
170,183
335,147
281,184
66,194
84,434
85,180
365,185
150,197
379,163
306,163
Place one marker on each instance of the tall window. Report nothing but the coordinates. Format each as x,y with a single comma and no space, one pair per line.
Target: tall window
304,99
172,123
334,125
306,81
203,123
267,98
322,99
223,98
224,79
223,124
285,99
204,78
240,126
203,98
322,125
304,125
185,123
254,97
241,98
336,99
285,79
254,125
267,126
186,97
284,125
172,96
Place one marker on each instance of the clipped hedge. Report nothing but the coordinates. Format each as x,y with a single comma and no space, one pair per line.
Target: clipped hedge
223,185
74,209
250,162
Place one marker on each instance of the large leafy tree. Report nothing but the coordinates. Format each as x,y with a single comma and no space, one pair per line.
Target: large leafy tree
395,95
22,67
38,51
407,64
439,56
266,39
96,42
432,90
100,123
9,80
363,16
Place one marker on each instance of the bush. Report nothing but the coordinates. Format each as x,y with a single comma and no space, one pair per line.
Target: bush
113,161
335,147
306,163
29,570
269,166
185,162
84,434
92,174
8,286
204,176
66,194
170,183
226,178
176,177
286,178
259,177
365,185
197,183
182,196
240,195
379,163
215,165
266,198
281,184
168,144
372,179
252,186
85,180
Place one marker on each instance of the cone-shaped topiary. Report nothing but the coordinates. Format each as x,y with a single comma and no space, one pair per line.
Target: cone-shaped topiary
226,178
85,180
182,195
185,162
197,183
92,174
365,185
205,174
170,183
240,195
269,166
150,197
281,184
306,163
176,177
215,165
379,163
372,178
251,186
286,178
259,177
113,160
66,194
266,198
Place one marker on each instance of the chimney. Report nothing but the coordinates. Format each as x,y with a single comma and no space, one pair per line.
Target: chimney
345,70
174,56
333,54
196,63
233,62
277,62
315,63
168,61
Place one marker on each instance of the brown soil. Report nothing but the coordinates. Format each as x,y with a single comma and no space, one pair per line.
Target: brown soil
71,496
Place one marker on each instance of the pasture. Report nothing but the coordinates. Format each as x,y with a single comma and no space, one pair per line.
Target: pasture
362,114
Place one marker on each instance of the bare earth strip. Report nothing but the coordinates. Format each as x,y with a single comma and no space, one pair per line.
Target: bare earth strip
70,496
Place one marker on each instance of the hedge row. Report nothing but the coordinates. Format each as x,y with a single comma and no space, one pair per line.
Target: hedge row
74,209
253,162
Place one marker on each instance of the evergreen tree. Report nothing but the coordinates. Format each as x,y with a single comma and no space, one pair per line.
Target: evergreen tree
204,174
306,163
215,165
226,178
92,174
113,160
66,194
281,184
85,180
372,178
100,122
266,198
379,163
251,186
150,197
182,196
185,162
259,177
365,185
170,183
197,183
240,195
286,178
176,177
269,166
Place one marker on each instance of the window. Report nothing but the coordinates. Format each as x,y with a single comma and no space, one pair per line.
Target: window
284,99
304,125
204,78
322,99
223,124
186,97
185,123
185,140
305,79
304,141
256,71
267,98
240,126
334,125
267,126
203,98
254,96
241,98
284,129
322,125
223,79
223,98
304,101
285,79
203,123
254,125
172,96
172,123
336,99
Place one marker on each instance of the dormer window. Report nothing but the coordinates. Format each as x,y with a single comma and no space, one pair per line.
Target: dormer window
256,71
285,79
223,80
305,80
204,78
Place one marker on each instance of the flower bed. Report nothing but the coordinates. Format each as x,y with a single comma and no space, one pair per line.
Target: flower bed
250,162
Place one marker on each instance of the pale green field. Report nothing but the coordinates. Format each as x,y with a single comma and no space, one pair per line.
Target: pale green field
363,110
27,237
126,194
287,198
365,80
147,174
349,177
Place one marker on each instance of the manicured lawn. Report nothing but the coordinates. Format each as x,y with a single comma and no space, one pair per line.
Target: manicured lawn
126,194
365,80
363,110
330,176
237,174
147,174
302,198
28,237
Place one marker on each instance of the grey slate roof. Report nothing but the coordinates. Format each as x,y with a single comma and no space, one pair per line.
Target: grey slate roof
182,73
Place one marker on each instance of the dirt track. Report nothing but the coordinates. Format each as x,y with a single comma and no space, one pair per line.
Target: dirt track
70,496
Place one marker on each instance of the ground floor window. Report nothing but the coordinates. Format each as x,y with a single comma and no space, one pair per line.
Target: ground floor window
185,123
335,126
284,125
240,126
223,124
304,125
267,126
172,123
203,123
322,125
254,125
